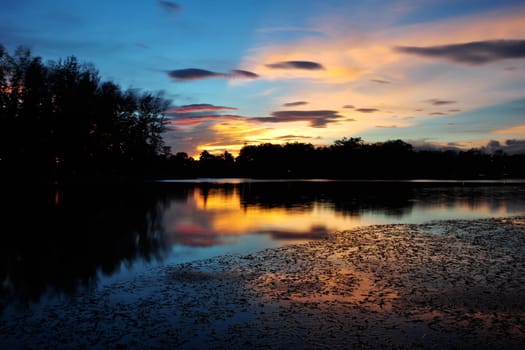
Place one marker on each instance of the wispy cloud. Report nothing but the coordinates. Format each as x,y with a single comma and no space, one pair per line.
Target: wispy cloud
308,65
200,107
386,126
169,6
296,103
243,74
380,81
439,102
367,110
197,73
317,119
293,137
194,120
192,74
514,130
348,106
472,53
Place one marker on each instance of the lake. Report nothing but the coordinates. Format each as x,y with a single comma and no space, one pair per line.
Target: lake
63,240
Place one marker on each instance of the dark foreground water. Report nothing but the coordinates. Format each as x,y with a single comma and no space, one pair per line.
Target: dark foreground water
59,241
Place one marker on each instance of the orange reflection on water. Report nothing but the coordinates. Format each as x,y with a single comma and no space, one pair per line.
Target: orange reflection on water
219,212
209,214
340,285
216,199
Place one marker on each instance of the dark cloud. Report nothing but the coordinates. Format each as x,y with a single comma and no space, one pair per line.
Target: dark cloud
509,146
455,110
317,119
438,113
239,73
308,65
195,108
169,6
472,53
193,74
197,73
367,110
296,103
348,106
380,81
438,102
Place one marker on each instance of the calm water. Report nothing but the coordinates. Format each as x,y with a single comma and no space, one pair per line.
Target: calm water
62,241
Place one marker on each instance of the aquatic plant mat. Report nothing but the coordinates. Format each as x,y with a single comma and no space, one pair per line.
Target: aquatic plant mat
448,284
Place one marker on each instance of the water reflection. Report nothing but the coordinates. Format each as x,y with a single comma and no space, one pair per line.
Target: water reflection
61,240
55,240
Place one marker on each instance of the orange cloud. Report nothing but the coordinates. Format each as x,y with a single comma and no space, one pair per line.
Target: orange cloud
518,130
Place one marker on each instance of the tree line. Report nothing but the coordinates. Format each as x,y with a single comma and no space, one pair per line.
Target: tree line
60,120
350,158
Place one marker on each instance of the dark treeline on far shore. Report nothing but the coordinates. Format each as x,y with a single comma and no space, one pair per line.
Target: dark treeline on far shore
351,158
60,121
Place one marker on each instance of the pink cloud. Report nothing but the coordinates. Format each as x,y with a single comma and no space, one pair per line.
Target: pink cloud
201,107
199,119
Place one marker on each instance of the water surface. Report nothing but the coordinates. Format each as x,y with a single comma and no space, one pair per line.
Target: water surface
60,241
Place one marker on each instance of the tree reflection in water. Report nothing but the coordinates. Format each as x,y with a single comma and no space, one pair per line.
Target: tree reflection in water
56,239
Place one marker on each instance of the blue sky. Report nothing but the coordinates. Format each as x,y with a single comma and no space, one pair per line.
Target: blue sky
444,73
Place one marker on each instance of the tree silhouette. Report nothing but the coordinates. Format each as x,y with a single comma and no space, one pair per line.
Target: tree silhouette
59,120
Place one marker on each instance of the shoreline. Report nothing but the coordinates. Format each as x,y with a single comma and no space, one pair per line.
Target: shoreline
443,284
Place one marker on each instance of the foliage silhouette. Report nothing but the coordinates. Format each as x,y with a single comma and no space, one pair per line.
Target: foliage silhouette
352,158
59,120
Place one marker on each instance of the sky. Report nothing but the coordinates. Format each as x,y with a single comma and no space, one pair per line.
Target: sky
436,73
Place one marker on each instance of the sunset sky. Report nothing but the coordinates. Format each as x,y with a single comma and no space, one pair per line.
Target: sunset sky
441,72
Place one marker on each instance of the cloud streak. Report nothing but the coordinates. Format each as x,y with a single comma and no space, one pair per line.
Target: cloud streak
195,120
308,65
296,103
239,73
438,102
196,108
367,110
169,6
471,53
197,73
317,118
